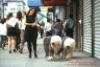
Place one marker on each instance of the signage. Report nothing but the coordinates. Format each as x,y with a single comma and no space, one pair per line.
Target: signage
54,2
34,3
5,4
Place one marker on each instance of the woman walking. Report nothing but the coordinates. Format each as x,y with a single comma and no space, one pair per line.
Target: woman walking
21,37
11,32
31,31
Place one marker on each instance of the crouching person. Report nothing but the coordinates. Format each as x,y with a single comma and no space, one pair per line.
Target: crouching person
69,45
55,46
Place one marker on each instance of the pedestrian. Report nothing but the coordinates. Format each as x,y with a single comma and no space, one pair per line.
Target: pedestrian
18,39
47,28
69,26
47,36
11,22
22,28
31,31
57,27
41,29
3,33
21,37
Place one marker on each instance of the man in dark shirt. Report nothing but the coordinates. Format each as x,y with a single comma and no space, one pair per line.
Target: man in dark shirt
69,26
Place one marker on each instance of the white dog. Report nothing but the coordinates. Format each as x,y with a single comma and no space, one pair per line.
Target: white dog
68,46
55,44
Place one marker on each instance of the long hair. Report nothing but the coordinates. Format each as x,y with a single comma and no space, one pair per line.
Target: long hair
34,14
19,15
3,20
9,16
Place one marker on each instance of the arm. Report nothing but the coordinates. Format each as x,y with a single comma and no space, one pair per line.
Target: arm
32,24
28,24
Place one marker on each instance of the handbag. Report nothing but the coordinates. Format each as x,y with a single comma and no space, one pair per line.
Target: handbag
17,30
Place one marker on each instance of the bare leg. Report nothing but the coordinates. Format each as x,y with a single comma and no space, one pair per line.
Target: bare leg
14,43
22,41
9,43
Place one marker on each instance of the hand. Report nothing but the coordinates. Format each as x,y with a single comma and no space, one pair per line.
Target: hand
38,25
33,24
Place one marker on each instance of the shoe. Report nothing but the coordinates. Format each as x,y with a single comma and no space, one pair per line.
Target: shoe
2,46
21,51
50,58
46,55
35,55
30,56
14,50
10,51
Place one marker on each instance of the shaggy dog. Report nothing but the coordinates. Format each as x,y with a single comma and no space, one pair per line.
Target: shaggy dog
68,46
55,46
58,45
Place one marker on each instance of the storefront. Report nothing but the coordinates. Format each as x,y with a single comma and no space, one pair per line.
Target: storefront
32,3
87,26
13,6
91,27
54,2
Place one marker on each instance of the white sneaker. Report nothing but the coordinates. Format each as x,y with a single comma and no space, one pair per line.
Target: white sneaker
50,58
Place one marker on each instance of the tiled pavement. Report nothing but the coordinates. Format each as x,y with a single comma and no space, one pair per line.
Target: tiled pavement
22,60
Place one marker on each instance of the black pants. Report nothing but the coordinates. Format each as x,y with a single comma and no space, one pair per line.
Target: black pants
69,32
32,44
3,41
18,41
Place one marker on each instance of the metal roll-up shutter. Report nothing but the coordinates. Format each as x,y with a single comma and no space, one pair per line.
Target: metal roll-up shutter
87,32
97,29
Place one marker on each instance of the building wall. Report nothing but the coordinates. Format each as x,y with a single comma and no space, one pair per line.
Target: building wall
13,7
60,12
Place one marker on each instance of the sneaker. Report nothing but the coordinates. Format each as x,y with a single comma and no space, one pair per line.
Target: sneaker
50,58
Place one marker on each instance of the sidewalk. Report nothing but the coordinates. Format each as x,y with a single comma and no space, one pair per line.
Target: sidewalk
22,60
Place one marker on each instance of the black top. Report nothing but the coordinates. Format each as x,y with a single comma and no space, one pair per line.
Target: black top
30,31
31,19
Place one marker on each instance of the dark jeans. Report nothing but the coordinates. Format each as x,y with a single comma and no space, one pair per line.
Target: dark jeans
47,45
3,41
18,42
69,32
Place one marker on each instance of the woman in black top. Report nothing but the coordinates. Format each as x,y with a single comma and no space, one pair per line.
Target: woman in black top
31,31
